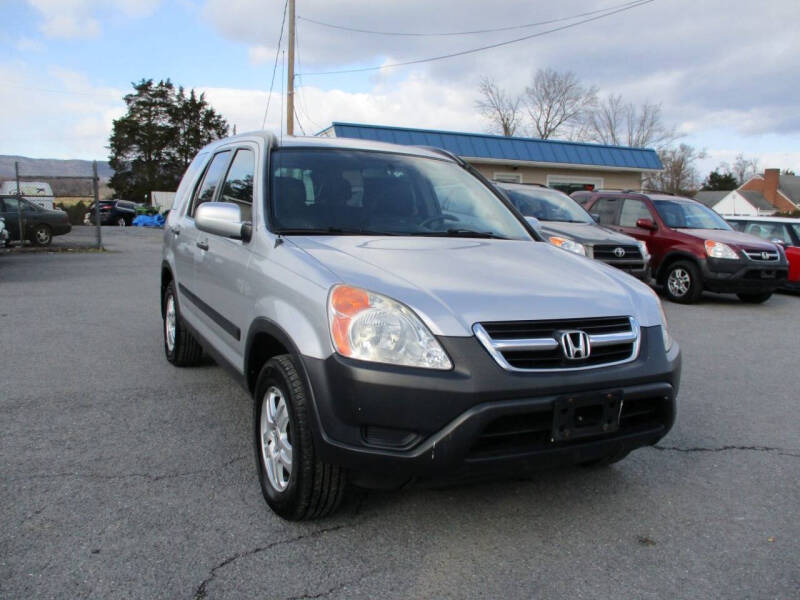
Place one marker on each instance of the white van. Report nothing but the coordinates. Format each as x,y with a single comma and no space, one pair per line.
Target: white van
37,192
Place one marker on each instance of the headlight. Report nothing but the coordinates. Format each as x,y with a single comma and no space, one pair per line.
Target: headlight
372,327
568,244
643,249
720,250
664,329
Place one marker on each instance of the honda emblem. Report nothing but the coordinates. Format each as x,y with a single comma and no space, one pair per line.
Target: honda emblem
575,344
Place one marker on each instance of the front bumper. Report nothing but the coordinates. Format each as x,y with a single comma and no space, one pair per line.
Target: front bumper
733,276
477,417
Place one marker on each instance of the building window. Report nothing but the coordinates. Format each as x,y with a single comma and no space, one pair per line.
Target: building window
570,183
507,177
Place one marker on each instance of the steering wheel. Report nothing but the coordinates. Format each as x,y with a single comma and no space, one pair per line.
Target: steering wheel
443,217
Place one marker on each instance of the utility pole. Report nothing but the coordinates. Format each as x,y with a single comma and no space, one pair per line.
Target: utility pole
290,75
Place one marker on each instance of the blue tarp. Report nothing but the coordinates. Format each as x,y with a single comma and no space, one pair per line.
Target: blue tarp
149,221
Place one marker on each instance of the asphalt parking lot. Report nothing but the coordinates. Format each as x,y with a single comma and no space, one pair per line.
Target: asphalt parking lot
124,477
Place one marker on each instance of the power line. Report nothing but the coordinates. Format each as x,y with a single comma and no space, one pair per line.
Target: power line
275,66
473,32
482,48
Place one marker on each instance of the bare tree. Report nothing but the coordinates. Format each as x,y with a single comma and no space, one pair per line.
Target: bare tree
499,108
744,168
620,123
557,103
679,175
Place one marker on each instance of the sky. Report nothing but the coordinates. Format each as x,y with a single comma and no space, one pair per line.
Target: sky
725,72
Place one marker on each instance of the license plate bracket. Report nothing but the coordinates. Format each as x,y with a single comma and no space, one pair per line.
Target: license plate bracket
584,415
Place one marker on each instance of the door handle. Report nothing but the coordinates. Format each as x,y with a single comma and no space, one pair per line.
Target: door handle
202,245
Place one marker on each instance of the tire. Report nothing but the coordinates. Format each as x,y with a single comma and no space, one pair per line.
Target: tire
180,346
605,461
42,235
306,487
757,298
682,282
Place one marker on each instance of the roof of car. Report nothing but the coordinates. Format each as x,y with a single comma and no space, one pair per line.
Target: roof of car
289,141
765,219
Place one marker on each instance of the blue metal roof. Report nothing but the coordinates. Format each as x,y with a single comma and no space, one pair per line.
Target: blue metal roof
479,145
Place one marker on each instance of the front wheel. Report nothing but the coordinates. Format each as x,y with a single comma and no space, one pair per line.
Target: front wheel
755,298
296,484
682,283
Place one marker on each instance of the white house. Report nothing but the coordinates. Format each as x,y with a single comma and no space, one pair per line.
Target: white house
744,203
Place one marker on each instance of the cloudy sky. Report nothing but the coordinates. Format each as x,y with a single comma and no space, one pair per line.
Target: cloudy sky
726,72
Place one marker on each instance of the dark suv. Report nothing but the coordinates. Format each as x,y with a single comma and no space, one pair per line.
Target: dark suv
112,212
692,247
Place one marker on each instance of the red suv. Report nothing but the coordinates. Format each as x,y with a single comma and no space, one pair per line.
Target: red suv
692,247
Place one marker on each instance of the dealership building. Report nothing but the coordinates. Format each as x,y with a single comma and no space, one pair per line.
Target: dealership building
568,166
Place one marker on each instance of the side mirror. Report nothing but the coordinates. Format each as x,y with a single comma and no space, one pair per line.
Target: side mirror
777,241
222,218
646,224
595,216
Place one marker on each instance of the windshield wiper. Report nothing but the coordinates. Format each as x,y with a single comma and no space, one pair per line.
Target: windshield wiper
330,231
466,233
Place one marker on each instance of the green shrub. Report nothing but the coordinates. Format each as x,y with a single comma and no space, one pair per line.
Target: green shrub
75,212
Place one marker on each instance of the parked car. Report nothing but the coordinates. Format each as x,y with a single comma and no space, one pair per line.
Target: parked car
384,338
567,225
3,233
112,212
41,224
35,192
778,230
692,247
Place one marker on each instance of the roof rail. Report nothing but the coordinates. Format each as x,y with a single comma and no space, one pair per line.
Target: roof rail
444,152
531,183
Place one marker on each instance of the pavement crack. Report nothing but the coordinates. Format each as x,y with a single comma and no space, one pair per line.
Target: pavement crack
113,476
200,592
338,587
777,450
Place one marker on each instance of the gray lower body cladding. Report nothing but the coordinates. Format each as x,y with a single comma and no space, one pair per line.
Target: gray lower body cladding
478,416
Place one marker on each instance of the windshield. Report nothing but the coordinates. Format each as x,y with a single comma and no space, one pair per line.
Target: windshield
547,205
686,215
327,191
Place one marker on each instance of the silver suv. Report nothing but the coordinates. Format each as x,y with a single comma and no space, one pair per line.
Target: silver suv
396,318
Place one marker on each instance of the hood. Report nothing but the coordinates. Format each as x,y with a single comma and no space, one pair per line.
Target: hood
586,233
730,237
453,283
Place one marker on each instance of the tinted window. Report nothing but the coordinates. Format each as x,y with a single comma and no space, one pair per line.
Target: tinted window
238,187
738,225
769,231
205,192
796,227
547,205
382,193
605,210
688,215
632,211
11,204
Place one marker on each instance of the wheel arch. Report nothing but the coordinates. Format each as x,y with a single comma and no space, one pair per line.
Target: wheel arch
670,259
166,277
265,340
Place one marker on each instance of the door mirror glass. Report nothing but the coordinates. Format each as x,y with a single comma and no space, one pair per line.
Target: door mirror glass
646,224
220,218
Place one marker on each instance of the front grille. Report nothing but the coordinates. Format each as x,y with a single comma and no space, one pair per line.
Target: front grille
536,345
761,255
610,252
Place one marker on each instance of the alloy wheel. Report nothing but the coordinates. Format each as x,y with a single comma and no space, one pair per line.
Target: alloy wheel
679,282
276,446
170,323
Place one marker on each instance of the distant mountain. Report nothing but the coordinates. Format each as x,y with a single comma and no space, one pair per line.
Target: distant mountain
50,167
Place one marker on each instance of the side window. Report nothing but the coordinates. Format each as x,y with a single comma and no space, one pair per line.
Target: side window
238,186
738,225
206,189
11,204
632,211
769,231
605,211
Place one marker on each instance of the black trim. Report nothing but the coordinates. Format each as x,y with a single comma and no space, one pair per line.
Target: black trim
230,328
218,357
